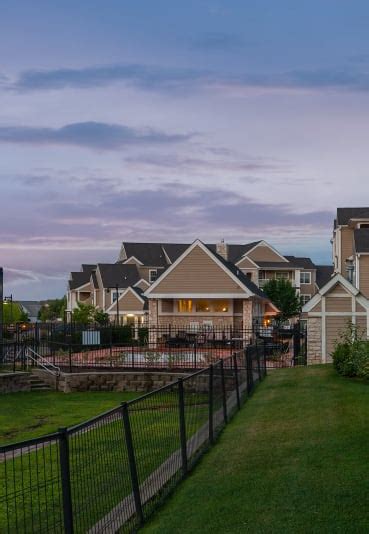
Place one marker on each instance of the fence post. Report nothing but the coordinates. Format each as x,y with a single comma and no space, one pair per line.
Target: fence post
195,352
70,355
182,426
224,393
236,380
132,463
65,480
211,402
258,360
111,345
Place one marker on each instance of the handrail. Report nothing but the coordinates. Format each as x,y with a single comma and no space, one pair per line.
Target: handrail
40,361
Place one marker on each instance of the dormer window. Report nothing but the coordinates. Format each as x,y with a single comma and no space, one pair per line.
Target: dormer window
153,275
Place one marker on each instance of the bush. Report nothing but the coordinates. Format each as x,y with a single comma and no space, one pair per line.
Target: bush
351,354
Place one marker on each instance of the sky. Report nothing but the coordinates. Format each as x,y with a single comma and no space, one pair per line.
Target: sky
171,121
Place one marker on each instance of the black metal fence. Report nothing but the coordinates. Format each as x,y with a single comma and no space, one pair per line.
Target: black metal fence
160,348
111,472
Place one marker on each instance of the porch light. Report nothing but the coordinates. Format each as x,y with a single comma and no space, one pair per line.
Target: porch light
130,314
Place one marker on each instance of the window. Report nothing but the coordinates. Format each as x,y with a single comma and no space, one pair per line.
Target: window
215,306
249,275
305,299
114,295
305,278
202,306
282,275
185,306
153,275
220,306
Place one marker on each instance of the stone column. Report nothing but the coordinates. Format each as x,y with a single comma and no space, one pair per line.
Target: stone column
314,340
247,319
153,322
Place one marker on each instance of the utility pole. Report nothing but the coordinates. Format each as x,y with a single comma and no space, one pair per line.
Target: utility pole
1,313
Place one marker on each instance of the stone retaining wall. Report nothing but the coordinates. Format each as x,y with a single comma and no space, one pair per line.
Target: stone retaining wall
106,381
14,382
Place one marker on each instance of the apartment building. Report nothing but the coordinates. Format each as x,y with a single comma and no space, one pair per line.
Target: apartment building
125,289
343,298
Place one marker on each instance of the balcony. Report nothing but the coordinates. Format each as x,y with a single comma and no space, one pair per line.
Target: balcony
263,281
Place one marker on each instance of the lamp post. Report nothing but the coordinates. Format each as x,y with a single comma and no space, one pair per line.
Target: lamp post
6,300
117,297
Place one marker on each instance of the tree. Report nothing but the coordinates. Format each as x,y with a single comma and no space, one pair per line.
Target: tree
101,317
284,296
53,309
84,313
13,313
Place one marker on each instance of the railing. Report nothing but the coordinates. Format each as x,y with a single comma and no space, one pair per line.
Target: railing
110,473
42,362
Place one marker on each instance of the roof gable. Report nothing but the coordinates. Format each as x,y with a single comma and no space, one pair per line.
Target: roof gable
198,271
263,251
331,287
130,300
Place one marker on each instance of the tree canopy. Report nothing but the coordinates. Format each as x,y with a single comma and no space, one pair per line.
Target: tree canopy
284,296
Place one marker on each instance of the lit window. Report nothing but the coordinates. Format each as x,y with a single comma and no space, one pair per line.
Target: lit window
305,299
185,306
305,278
153,275
202,306
220,306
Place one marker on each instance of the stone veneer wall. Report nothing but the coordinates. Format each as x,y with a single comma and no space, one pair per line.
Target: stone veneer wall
314,340
14,382
115,381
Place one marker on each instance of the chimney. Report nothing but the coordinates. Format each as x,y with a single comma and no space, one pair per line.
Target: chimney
222,249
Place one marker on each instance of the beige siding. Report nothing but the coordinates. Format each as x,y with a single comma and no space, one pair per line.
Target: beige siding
167,306
338,304
364,275
361,324
338,290
198,273
246,264
309,289
334,327
317,308
263,253
359,307
142,285
346,247
129,303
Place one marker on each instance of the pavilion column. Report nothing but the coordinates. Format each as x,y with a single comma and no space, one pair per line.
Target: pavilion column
153,322
247,319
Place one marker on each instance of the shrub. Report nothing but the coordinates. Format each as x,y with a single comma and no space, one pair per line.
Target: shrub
351,353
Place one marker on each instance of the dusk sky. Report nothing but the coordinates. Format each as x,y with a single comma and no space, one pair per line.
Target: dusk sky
168,121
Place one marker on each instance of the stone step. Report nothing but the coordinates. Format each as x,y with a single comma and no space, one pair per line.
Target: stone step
37,384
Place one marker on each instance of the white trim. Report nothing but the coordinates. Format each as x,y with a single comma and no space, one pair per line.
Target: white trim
132,258
157,275
120,253
337,279
124,313
357,273
166,255
122,295
338,314
263,243
195,244
198,296
79,288
305,283
245,257
141,280
353,309
324,332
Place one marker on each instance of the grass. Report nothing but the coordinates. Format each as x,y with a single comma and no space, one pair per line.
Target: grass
295,459
100,477
27,415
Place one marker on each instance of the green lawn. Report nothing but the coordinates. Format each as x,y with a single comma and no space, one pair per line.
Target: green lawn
27,415
295,459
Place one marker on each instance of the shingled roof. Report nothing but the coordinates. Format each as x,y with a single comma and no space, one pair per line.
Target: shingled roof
323,274
345,214
80,278
117,273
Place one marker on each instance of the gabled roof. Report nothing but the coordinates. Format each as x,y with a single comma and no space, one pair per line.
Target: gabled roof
345,214
117,273
236,274
137,292
323,274
337,279
301,262
361,239
78,279
88,267
150,254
